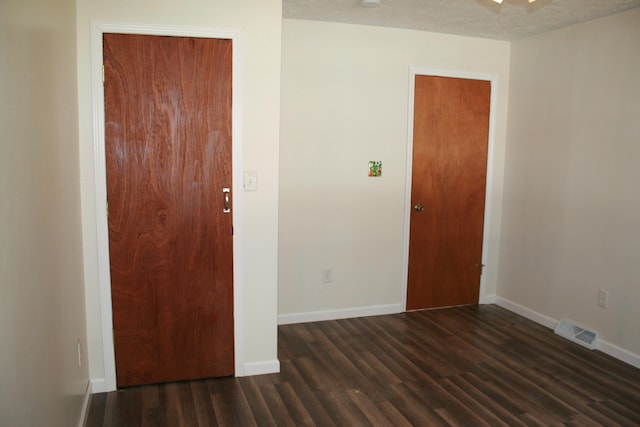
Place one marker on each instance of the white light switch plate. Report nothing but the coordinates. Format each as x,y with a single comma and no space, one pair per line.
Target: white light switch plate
250,181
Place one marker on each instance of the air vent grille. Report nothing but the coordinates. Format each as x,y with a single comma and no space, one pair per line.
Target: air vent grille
571,331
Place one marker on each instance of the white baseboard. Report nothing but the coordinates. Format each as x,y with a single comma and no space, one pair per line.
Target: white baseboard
527,312
260,368
604,346
99,385
346,313
487,299
620,353
84,410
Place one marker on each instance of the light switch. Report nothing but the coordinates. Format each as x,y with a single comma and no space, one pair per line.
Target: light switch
250,181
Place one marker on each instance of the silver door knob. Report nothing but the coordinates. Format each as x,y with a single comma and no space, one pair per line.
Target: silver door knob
418,208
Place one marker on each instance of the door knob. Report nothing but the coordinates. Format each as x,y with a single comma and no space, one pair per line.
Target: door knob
418,208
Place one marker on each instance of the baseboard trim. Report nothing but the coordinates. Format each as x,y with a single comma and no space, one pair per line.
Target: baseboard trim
260,368
487,299
604,346
620,353
527,312
84,410
99,385
347,313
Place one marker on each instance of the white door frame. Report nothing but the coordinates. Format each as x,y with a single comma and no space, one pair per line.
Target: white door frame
486,241
97,88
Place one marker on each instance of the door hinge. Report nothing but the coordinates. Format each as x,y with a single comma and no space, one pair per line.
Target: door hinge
102,73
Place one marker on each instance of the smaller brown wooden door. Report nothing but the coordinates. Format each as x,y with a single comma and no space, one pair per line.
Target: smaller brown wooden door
450,139
168,151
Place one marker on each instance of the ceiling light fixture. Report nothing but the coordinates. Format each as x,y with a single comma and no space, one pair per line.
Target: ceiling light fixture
371,3
500,1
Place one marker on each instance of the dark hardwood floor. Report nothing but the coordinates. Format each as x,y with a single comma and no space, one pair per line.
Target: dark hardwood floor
466,366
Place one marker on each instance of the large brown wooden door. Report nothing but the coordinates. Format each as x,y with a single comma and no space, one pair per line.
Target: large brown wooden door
450,138
168,158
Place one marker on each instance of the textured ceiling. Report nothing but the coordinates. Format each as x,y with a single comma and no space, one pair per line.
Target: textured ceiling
513,19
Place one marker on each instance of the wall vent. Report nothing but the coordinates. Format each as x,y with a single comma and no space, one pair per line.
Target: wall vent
571,331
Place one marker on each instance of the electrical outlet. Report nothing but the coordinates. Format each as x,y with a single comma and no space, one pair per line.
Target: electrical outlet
327,275
79,354
603,298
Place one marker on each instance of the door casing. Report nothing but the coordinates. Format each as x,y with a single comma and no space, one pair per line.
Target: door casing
102,237
418,71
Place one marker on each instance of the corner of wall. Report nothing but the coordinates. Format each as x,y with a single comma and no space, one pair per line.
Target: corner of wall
612,350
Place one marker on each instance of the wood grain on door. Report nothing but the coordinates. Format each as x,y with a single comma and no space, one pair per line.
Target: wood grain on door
168,154
450,142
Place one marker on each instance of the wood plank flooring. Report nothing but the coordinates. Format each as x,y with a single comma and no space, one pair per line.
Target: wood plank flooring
465,366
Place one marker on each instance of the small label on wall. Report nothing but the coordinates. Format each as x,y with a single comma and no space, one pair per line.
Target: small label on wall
375,168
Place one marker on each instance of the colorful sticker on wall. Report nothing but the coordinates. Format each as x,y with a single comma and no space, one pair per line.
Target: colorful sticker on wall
375,168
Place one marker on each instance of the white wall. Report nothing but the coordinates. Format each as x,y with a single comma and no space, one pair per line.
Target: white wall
260,25
344,102
572,203
42,314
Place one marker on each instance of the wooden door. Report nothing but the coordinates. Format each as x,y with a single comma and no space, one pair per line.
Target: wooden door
450,139
168,158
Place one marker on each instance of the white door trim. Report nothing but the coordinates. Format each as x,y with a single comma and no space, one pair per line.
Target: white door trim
97,89
486,241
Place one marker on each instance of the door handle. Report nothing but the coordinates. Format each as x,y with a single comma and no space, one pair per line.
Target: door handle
418,208
227,203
